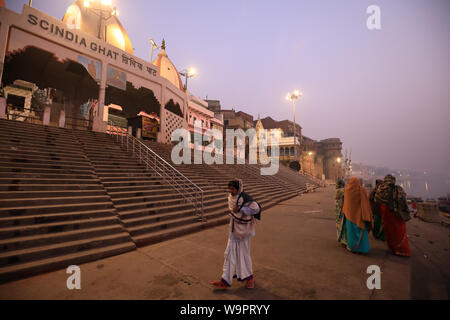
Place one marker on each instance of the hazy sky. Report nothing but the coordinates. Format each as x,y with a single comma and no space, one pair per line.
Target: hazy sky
385,93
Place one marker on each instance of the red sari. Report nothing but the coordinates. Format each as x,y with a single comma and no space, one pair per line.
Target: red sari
395,231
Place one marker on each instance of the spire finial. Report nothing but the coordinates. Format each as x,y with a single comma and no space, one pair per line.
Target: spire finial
163,45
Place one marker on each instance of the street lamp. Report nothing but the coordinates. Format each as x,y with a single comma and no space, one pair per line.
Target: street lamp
103,13
310,162
190,73
292,97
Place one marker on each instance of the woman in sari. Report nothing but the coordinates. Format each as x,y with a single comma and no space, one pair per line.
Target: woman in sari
358,216
377,231
339,215
395,212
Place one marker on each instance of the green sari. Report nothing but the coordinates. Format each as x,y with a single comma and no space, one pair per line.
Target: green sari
340,217
377,231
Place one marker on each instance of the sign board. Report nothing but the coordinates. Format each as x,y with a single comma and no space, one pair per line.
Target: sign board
149,127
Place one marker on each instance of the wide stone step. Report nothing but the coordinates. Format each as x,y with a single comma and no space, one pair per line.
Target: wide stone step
23,180
53,161
105,167
74,150
148,197
22,202
178,231
114,163
20,145
22,169
142,203
50,193
143,212
42,175
18,243
59,208
112,158
47,166
48,228
146,176
32,254
37,135
55,217
43,156
55,263
50,187
115,170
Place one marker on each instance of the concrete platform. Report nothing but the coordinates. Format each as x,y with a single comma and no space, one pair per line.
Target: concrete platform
295,256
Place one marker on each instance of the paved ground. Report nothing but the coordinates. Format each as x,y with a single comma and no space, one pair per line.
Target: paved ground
295,254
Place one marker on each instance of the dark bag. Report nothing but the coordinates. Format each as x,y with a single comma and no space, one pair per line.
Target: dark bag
248,198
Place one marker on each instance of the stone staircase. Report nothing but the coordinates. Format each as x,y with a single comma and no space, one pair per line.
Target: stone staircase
267,190
69,197
54,211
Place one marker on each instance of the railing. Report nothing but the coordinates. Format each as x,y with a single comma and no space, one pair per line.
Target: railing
77,123
32,116
185,187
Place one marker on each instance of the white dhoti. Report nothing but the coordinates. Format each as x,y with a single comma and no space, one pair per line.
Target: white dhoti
237,260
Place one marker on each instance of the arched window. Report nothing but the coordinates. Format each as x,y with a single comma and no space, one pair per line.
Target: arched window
282,152
292,151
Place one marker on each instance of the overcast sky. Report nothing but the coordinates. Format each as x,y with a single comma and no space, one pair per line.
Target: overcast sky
385,93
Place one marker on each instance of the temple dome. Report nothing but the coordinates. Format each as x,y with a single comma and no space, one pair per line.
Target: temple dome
88,20
167,69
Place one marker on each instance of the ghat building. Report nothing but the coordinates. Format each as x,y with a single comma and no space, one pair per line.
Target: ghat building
320,159
81,72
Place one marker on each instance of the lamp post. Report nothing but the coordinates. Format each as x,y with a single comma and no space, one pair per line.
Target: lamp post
190,73
292,97
103,13
310,154
339,160
153,46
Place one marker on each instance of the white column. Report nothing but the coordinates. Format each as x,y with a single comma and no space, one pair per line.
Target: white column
161,137
62,118
99,125
46,120
2,108
4,29
138,133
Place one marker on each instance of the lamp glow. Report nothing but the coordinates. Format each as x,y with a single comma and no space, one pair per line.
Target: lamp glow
192,72
106,2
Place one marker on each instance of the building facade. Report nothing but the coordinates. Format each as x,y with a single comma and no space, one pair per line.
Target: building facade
86,64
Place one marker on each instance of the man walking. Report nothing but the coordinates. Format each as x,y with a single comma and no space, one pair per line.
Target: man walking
242,227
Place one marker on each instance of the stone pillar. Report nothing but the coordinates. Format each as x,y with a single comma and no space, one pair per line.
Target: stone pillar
2,108
138,133
161,135
46,119
62,118
98,124
4,30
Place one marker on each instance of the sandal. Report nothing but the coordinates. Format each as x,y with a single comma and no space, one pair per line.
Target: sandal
250,283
